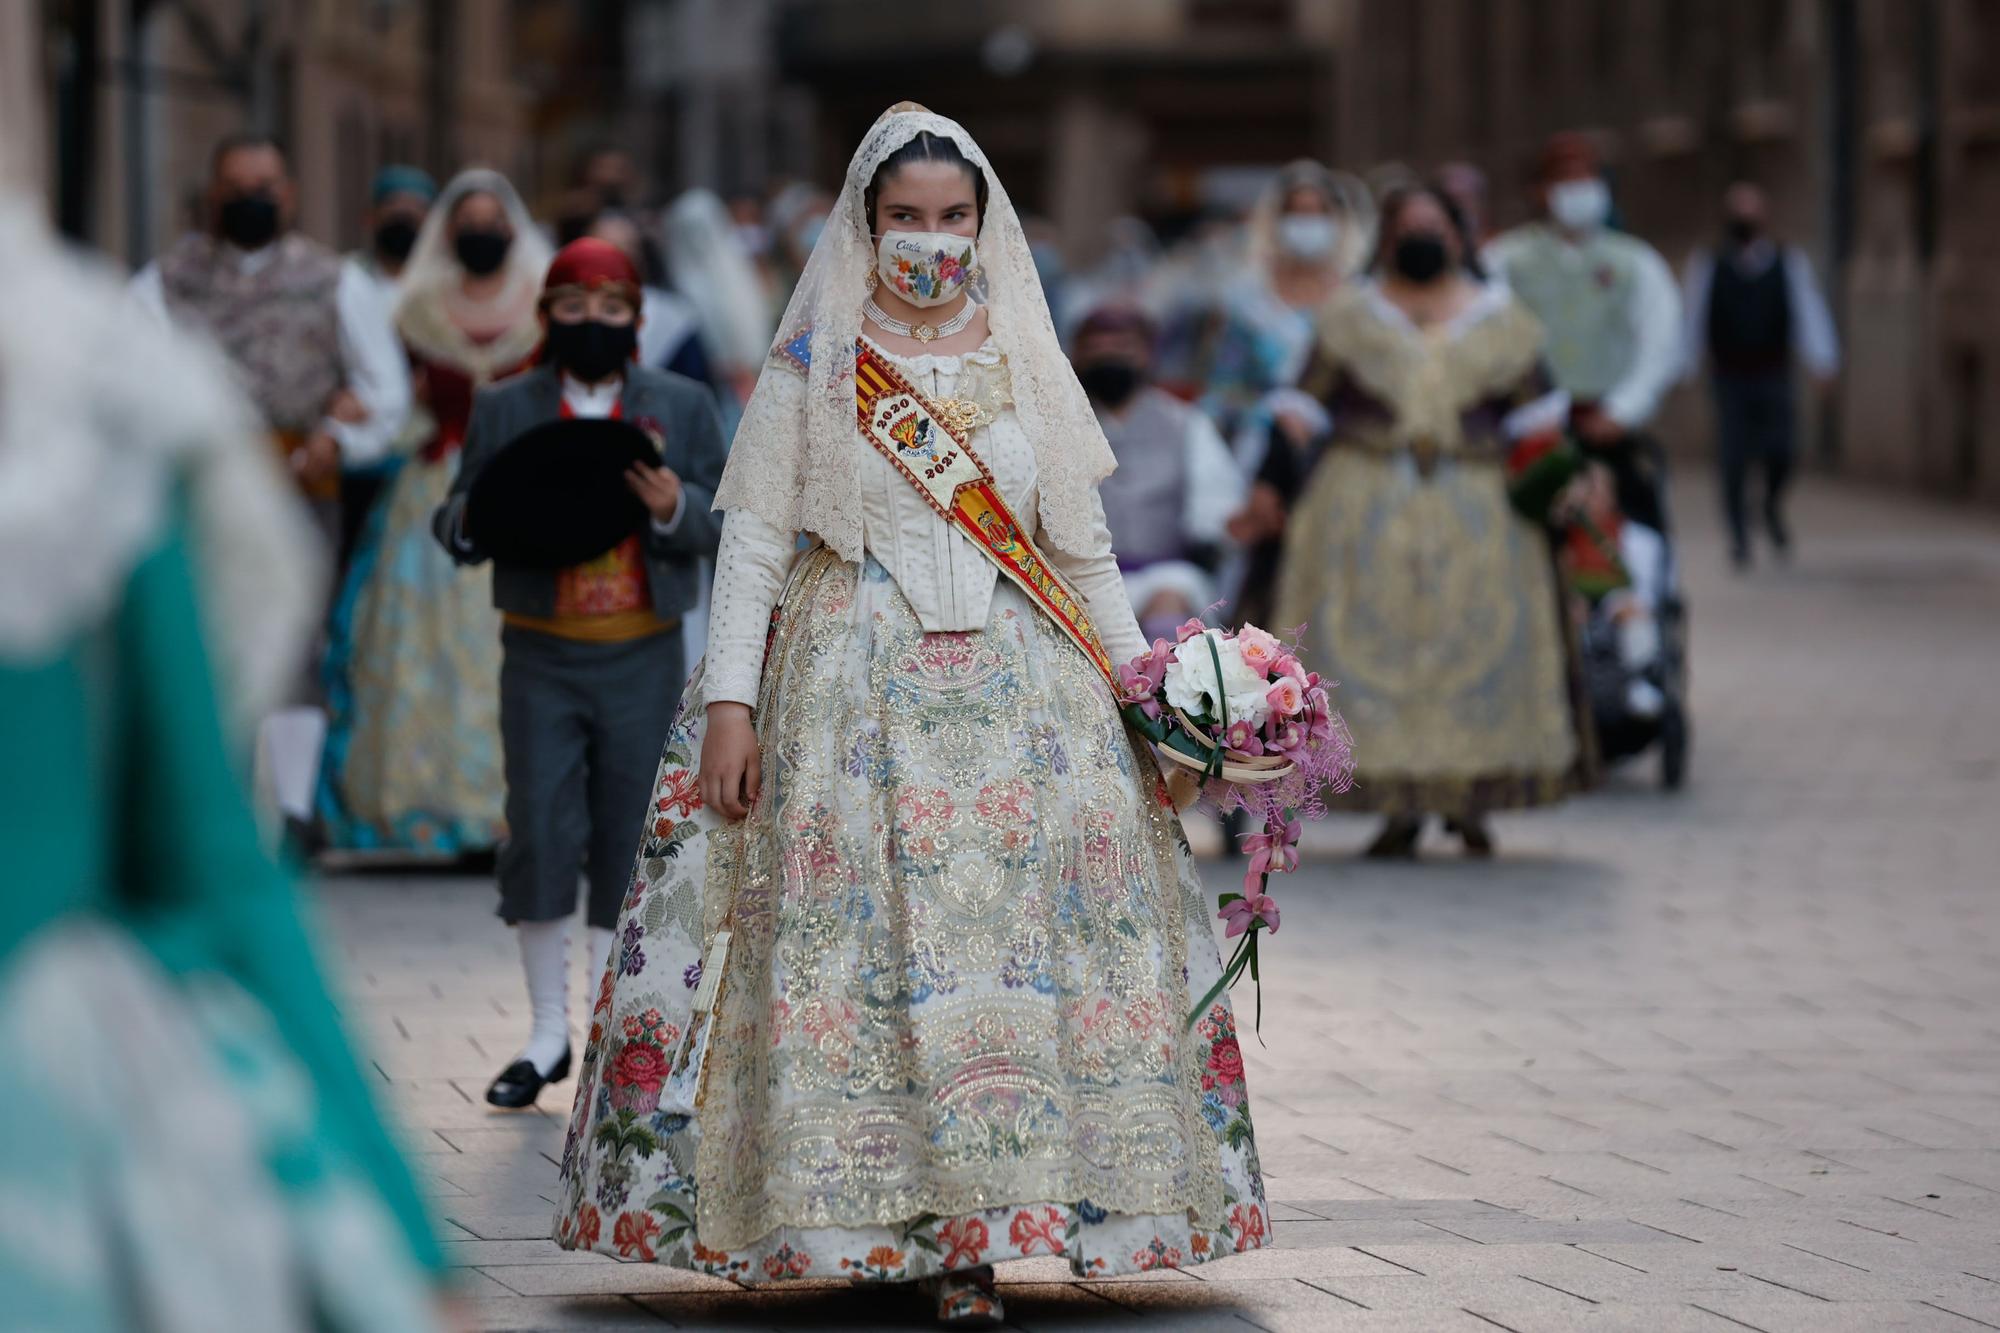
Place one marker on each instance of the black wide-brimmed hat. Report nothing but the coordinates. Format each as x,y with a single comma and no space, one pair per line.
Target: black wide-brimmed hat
556,495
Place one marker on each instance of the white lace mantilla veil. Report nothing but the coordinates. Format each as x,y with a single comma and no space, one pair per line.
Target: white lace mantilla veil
434,269
102,414
793,461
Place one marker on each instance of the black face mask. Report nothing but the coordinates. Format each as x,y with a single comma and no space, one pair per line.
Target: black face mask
590,349
1421,256
394,238
1740,230
249,221
482,252
1109,382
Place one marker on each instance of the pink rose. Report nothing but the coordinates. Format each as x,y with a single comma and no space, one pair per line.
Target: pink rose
1261,650
1286,697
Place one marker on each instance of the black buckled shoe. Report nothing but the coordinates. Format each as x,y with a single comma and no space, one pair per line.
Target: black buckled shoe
520,1083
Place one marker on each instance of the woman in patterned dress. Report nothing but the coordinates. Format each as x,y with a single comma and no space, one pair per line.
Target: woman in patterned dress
965,929
413,749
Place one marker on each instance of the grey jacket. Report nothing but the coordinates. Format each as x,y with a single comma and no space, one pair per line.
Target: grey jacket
680,409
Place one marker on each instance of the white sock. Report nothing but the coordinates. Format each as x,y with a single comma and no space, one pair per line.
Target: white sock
545,963
600,955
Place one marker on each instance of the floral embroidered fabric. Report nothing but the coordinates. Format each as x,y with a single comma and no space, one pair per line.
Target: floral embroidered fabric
966,932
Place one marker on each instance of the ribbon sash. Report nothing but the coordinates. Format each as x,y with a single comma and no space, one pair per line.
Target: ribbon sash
934,457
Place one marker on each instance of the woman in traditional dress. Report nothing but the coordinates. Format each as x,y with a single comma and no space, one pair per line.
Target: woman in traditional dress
965,932
413,751
187,1144
1424,593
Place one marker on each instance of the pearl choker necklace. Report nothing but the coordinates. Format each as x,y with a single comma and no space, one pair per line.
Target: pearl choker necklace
923,333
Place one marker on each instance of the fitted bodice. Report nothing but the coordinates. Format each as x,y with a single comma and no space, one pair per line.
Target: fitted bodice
944,577
946,580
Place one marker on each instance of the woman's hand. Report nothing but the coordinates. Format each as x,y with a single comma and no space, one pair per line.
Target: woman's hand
731,768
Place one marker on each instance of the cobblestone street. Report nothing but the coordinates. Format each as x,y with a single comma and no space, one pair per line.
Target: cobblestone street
1722,1059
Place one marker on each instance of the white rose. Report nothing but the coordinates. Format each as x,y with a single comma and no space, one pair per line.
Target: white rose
1192,686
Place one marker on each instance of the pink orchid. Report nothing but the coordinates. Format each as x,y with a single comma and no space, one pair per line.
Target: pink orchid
1135,686
1286,697
1288,735
1275,851
1242,737
1189,629
1247,911
1261,650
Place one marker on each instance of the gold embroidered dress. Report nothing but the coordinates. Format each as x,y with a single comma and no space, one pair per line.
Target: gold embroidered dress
1433,603
966,935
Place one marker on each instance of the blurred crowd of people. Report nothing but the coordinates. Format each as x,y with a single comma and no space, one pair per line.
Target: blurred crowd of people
1313,400
1350,412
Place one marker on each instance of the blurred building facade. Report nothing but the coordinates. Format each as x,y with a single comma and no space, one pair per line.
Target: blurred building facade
1874,124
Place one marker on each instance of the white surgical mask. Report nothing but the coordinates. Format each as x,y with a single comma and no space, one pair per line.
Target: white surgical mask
1308,235
1580,205
925,268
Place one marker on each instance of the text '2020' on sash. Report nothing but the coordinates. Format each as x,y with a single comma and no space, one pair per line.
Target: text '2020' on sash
907,430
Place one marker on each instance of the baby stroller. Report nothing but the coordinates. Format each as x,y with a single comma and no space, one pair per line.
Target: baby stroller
1634,623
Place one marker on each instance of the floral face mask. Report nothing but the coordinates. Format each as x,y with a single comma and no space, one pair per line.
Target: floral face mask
925,268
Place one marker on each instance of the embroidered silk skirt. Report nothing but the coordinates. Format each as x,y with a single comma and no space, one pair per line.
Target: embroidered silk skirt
966,935
1437,608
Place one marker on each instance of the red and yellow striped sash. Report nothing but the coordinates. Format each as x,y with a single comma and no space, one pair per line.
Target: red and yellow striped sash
938,461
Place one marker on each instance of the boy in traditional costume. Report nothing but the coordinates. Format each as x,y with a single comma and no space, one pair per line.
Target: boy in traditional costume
591,652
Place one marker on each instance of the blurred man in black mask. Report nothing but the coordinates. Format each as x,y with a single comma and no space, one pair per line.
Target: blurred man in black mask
1753,312
313,349
306,331
1176,484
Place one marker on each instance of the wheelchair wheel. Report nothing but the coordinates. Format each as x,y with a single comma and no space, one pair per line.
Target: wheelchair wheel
1673,746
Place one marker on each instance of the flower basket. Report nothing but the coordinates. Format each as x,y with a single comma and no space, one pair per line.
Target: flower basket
1238,706
1236,765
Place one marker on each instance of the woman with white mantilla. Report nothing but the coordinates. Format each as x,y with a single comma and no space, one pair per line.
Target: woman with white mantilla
964,931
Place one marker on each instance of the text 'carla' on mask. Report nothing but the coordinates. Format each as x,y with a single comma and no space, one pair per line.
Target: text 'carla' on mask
925,268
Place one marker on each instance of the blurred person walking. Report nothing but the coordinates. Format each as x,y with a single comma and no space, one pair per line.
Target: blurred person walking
998,921
1176,484
306,336
669,326
1422,591
711,268
187,1143
413,749
1613,315
1754,312
669,339
591,657
398,201
304,330
1310,229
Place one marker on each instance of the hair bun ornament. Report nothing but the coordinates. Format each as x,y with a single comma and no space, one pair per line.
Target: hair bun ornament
902,108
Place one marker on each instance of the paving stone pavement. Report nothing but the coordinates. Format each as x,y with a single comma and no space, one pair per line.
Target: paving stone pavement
1718,1060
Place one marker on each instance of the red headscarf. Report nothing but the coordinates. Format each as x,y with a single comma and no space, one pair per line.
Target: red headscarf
587,264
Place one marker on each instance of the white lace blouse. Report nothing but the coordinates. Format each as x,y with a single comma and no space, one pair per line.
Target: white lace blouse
945,578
